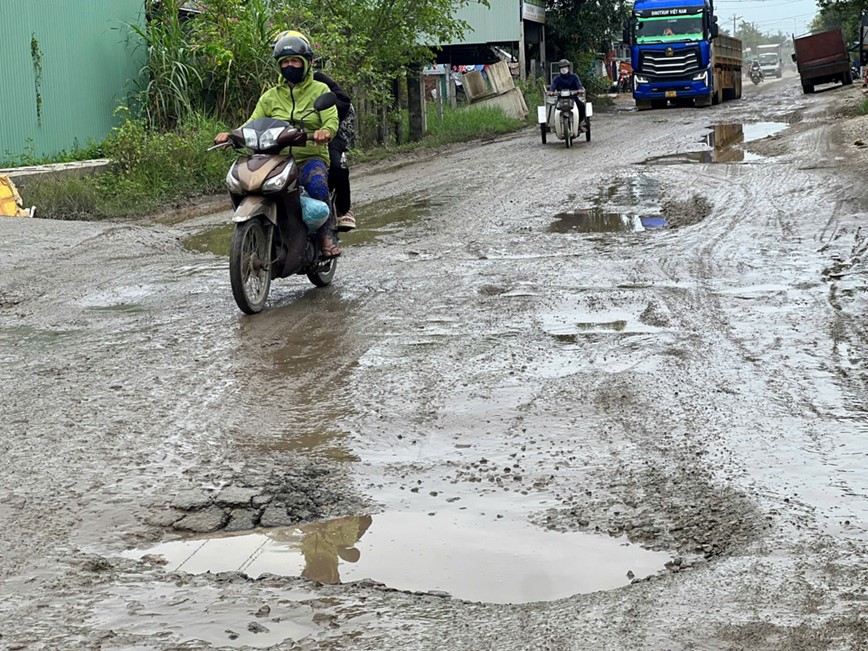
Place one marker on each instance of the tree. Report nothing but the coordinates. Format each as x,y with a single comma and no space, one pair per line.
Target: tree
845,14
577,27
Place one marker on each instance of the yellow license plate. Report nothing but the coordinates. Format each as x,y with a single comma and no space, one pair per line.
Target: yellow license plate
670,93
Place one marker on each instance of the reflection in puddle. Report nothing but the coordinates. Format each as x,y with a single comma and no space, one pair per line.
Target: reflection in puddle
469,556
596,220
381,218
215,240
725,141
375,220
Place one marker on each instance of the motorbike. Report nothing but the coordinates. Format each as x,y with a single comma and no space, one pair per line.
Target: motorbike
560,114
624,85
756,75
270,238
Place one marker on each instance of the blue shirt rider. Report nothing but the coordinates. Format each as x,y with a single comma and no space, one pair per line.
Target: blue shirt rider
568,80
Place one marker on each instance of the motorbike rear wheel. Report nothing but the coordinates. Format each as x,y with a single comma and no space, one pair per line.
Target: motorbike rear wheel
250,264
324,273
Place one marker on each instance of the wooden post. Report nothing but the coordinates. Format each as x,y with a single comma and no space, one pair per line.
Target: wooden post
416,103
522,58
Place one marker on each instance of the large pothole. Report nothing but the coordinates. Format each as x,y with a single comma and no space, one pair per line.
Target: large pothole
464,554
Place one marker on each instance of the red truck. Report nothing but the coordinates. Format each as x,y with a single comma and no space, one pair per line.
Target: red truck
822,58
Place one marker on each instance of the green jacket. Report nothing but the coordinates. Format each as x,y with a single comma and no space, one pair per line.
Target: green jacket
290,104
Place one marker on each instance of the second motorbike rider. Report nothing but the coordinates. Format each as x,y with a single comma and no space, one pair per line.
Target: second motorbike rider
568,80
293,100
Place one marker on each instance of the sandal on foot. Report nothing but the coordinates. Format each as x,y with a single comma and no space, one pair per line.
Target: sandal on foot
329,251
346,222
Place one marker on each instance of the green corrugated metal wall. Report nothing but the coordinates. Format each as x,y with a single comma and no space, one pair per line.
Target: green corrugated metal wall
498,23
89,63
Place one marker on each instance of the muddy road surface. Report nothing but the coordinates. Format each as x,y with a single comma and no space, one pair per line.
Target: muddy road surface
612,397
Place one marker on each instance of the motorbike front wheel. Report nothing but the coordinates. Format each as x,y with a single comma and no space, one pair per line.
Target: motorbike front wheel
587,129
567,131
543,129
250,264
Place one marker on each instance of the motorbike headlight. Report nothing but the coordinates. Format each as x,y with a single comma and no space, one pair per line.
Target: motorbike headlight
276,183
250,138
268,138
640,79
232,181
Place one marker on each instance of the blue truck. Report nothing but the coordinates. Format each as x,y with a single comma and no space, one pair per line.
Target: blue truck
679,56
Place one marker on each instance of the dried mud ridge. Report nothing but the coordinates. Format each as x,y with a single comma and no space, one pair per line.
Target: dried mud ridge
242,504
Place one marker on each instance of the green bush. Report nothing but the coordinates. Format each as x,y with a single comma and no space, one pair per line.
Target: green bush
150,170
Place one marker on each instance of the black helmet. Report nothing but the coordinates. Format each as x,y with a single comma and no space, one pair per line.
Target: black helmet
564,63
292,46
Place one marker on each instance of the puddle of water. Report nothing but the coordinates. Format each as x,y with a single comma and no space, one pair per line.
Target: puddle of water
725,141
597,220
469,556
375,220
215,240
567,326
381,218
119,308
36,336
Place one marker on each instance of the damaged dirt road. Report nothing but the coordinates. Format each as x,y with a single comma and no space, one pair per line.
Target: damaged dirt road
612,397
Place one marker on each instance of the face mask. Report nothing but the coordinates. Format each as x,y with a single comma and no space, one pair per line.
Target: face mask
564,71
292,75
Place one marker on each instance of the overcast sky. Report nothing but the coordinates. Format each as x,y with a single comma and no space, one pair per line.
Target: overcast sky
787,16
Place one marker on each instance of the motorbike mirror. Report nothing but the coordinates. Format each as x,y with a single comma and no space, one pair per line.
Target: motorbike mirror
325,101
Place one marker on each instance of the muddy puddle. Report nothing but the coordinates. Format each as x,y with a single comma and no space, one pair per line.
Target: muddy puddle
625,206
467,555
375,221
597,220
725,144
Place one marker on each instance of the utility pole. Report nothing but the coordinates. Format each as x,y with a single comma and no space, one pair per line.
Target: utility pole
734,19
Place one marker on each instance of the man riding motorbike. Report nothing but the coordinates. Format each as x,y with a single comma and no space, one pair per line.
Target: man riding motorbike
568,80
339,146
756,70
294,100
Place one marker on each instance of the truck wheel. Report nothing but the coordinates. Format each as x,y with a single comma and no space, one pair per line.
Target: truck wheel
807,88
702,101
848,78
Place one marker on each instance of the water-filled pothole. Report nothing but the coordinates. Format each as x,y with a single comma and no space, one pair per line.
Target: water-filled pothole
375,220
469,556
725,142
597,220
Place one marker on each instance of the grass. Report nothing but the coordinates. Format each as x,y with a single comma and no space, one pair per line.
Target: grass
464,124
150,171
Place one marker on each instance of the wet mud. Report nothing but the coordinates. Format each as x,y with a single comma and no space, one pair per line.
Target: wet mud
611,397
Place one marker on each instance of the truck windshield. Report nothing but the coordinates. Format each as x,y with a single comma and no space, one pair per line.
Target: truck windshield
668,29
768,59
